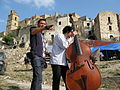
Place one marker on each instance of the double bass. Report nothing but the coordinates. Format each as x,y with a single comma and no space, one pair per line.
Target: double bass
83,73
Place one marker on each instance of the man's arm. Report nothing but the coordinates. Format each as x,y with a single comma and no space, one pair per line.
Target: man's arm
40,29
37,30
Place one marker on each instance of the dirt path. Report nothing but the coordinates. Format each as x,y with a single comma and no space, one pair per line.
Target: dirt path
26,85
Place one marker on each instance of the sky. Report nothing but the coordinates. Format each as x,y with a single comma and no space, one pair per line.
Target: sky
29,8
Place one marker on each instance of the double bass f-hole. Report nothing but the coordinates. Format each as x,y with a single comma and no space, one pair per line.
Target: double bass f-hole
90,66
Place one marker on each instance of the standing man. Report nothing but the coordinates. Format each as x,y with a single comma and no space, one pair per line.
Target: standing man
37,52
58,59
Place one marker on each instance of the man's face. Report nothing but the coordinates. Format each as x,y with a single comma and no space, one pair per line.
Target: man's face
70,34
42,23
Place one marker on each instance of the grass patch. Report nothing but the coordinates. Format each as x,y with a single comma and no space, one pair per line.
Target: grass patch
104,85
8,86
13,88
105,66
114,72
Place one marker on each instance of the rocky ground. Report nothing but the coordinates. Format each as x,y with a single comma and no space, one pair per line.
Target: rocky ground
18,77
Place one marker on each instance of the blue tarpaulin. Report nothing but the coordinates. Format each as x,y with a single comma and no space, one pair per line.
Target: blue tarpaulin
113,46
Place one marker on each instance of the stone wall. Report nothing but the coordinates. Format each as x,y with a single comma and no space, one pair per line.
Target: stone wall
106,26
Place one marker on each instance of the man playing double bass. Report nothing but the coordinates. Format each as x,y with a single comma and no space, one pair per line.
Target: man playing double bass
58,60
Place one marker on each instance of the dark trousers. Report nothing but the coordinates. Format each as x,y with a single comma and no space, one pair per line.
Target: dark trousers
58,71
37,73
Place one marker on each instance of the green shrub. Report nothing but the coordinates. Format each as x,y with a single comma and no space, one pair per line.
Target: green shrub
8,39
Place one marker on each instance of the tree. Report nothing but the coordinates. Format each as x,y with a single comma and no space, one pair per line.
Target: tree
8,39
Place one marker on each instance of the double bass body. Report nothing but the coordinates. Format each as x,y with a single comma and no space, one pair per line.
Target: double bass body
83,74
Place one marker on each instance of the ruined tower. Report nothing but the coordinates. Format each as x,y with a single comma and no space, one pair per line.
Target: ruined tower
106,26
12,22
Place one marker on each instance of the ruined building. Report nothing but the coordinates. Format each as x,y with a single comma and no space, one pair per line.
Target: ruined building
21,28
106,26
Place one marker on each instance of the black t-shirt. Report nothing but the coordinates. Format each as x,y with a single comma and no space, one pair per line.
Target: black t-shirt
36,43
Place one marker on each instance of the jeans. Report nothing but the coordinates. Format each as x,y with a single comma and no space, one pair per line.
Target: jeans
58,71
37,73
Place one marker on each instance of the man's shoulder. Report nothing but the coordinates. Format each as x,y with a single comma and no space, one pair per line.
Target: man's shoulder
60,35
31,28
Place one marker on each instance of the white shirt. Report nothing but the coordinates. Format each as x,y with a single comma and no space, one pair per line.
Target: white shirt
58,51
44,45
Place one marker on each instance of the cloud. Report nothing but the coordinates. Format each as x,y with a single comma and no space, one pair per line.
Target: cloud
7,1
24,1
49,4
44,3
38,3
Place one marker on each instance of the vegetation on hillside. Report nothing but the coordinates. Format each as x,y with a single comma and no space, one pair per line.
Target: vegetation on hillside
9,39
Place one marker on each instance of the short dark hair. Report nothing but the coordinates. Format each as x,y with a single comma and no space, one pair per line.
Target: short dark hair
41,20
67,29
